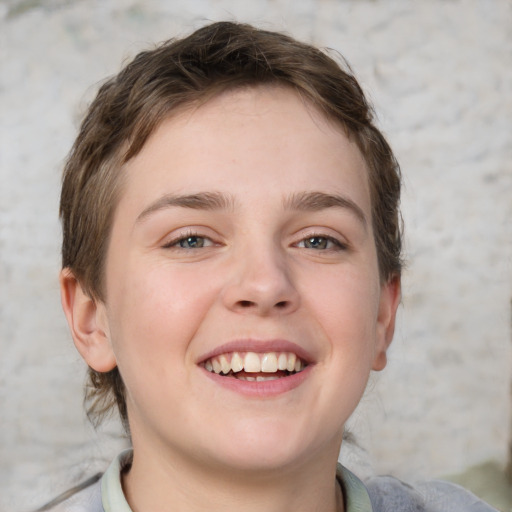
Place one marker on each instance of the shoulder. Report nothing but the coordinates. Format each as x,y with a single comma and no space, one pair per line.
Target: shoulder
101,489
389,494
87,499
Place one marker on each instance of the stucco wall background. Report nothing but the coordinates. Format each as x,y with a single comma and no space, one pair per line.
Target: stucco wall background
440,75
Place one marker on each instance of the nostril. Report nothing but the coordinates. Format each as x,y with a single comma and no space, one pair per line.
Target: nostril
250,304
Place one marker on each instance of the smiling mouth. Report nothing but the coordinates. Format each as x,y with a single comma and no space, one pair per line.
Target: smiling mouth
253,366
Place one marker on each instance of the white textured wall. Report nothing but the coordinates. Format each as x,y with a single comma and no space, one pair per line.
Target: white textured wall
440,74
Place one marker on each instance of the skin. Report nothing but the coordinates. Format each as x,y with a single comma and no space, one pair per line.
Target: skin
267,271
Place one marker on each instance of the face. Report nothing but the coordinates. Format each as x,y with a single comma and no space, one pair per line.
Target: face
243,303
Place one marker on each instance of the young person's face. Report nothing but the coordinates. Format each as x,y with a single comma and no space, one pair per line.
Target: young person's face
244,227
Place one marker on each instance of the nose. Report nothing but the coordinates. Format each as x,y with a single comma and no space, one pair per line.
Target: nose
261,282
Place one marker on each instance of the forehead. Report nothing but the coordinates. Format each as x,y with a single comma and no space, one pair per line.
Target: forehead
264,136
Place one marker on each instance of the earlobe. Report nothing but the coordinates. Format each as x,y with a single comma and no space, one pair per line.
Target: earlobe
389,301
88,323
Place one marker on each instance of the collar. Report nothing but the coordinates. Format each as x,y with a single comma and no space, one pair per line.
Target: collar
355,494
112,495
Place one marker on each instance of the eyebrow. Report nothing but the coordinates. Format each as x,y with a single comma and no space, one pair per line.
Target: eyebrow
304,201
200,201
315,201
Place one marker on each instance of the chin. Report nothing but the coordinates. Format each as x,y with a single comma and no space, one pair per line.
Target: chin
270,447
256,461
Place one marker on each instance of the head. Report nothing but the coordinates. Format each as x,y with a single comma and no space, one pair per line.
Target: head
179,74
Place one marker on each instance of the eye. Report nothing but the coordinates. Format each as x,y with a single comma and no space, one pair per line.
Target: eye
321,243
193,242
189,241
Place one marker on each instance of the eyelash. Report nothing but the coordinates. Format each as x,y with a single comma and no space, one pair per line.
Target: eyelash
175,242
337,245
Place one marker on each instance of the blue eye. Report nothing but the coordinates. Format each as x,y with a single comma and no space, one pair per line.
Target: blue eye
192,242
320,243
189,241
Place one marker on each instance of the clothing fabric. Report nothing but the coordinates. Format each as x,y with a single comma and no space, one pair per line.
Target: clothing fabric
378,494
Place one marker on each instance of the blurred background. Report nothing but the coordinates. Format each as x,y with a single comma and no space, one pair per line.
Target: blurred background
439,73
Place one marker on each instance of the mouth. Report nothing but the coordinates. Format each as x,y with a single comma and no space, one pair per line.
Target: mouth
254,366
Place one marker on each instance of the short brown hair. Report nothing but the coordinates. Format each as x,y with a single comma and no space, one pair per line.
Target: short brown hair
128,108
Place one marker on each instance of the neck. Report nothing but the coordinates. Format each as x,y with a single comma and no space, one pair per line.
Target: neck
158,483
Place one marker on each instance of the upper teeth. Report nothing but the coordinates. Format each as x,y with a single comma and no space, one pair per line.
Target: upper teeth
252,362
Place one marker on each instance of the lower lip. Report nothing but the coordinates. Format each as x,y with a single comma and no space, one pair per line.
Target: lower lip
261,389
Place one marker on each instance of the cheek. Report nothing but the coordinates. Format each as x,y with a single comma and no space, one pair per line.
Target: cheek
346,308
154,317
156,312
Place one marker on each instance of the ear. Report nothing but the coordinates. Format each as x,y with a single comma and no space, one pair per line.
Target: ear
390,296
88,323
